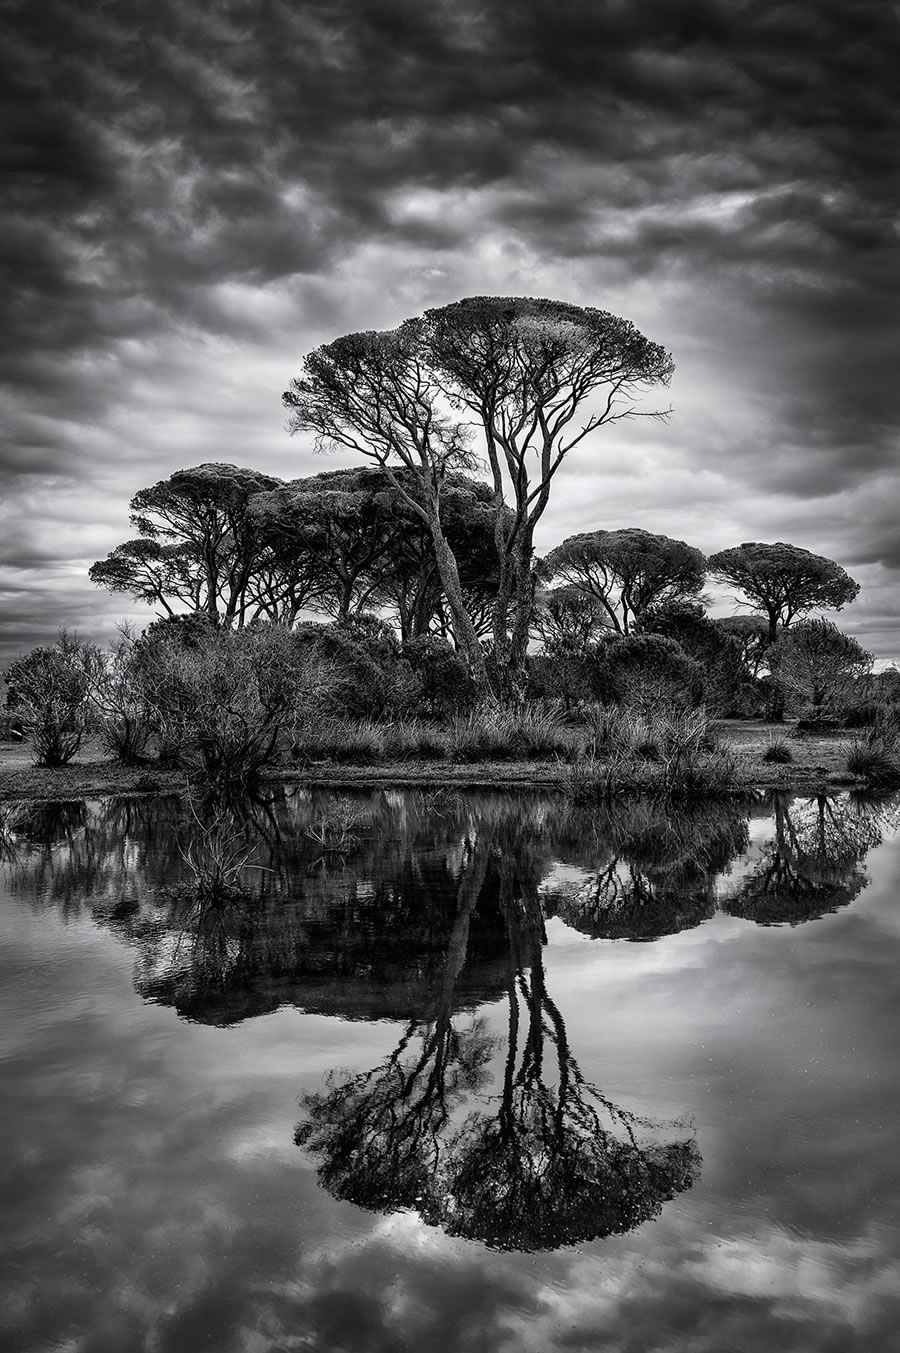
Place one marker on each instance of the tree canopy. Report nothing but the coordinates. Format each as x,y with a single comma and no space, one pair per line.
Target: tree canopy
819,663
783,582
197,544
627,571
519,370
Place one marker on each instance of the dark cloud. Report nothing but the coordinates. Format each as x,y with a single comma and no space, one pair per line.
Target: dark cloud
164,163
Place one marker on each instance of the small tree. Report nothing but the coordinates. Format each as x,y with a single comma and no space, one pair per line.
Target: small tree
123,714
627,571
783,582
727,687
221,701
820,664
50,688
568,620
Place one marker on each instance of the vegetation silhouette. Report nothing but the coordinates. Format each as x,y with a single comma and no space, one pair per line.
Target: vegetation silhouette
655,869
814,863
549,1161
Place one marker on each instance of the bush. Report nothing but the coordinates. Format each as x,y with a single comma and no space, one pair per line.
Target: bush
49,690
415,740
496,734
778,752
123,715
221,704
481,736
368,675
443,686
665,749
644,671
357,742
875,756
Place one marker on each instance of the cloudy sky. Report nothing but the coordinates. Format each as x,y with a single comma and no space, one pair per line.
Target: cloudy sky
200,192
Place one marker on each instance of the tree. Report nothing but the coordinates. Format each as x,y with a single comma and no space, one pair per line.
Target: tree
221,700
812,864
627,571
726,686
656,870
522,369
331,530
373,393
819,663
197,543
751,635
568,620
153,572
546,1160
783,582
50,687
354,540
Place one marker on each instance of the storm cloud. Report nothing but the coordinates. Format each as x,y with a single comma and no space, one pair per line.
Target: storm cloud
196,195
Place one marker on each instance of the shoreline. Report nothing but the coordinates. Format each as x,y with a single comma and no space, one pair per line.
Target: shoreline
819,767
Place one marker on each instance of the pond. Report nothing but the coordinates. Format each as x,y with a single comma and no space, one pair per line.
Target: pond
406,1070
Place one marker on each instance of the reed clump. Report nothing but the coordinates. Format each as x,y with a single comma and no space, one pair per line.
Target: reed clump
875,755
667,750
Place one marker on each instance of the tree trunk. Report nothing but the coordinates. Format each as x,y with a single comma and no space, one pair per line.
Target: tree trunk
466,636
512,619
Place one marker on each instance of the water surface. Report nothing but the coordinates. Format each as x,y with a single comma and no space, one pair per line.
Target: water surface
450,1071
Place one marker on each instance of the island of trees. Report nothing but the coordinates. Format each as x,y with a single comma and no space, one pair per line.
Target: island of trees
396,608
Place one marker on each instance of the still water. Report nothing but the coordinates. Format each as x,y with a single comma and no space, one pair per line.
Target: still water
406,1071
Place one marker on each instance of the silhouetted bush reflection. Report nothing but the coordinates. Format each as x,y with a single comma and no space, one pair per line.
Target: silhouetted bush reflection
345,903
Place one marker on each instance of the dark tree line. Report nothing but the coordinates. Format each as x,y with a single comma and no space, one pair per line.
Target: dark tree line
239,547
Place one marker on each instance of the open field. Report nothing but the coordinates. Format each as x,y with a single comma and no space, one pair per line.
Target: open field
819,763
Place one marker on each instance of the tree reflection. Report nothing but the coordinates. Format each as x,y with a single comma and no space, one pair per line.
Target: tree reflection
547,1162
357,931
378,1134
814,862
656,867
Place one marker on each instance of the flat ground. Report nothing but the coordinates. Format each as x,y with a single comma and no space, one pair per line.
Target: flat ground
819,762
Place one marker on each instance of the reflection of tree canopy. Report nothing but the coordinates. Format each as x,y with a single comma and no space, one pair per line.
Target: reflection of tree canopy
658,867
378,1133
554,1164
813,864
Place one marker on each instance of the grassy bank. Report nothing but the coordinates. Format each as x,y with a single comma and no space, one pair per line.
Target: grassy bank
818,761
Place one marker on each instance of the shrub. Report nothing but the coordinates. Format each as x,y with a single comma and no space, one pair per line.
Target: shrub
123,714
221,704
666,749
351,742
482,735
443,686
49,689
539,734
367,675
777,752
875,756
414,739
647,670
